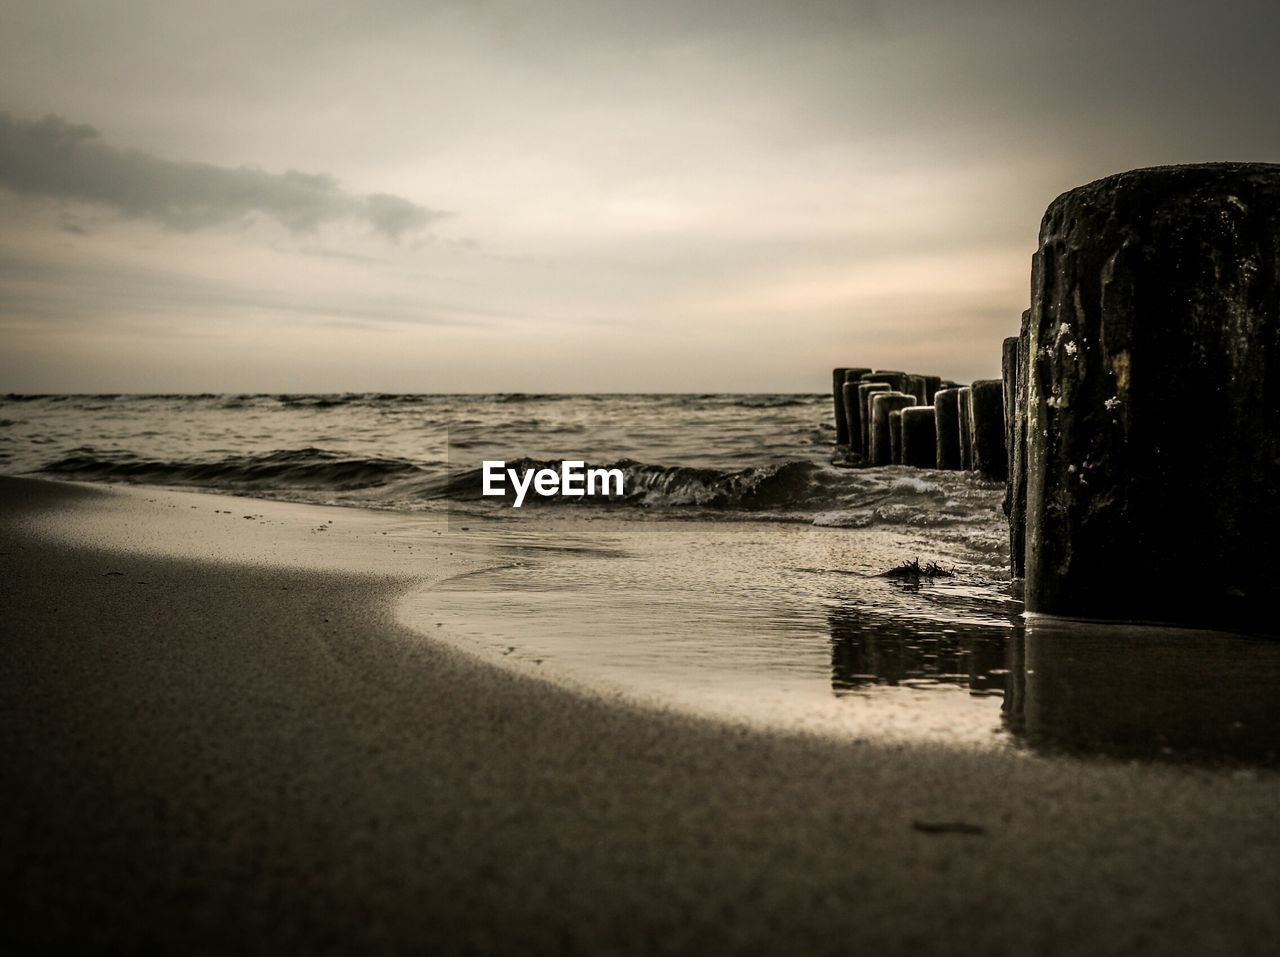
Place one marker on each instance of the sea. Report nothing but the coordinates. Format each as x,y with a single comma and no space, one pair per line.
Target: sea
714,457
746,573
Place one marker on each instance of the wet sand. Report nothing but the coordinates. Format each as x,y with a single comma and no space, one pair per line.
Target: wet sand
232,745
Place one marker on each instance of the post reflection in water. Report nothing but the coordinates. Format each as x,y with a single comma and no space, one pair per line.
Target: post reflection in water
1128,691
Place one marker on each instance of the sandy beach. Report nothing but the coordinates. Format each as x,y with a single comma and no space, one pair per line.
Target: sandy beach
218,738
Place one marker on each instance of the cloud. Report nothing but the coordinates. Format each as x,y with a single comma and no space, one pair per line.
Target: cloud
394,215
53,158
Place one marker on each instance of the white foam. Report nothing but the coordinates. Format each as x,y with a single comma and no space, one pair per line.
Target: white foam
917,486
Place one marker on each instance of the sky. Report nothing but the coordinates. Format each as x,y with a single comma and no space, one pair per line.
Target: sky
571,196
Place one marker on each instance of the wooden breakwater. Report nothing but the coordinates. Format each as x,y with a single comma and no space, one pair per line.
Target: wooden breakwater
1137,421
889,417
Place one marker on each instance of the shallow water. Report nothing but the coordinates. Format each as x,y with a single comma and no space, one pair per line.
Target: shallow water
739,576
792,626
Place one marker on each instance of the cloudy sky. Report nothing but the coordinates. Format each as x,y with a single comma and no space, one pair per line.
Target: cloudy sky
579,195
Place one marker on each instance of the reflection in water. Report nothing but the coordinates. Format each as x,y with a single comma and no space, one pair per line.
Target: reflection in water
867,652
1085,688
1135,690
788,626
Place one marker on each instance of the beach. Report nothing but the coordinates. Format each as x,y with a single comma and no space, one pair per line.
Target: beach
599,478
219,735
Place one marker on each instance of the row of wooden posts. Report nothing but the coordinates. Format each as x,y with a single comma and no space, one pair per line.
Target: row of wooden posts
887,417
1142,441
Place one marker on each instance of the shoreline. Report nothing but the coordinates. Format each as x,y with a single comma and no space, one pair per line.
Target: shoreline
250,752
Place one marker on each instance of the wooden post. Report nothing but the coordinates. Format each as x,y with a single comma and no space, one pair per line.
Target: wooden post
916,387
1017,487
987,427
946,408
919,437
896,379
838,379
1153,403
865,391
932,384
882,404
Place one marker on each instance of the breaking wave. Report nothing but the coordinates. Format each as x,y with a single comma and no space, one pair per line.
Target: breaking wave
308,468
791,491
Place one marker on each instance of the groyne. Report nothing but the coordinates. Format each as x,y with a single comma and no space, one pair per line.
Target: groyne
1136,423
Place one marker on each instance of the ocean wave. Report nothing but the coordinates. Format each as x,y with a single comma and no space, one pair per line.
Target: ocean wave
821,493
317,401
283,469
791,484
516,398
776,401
796,490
